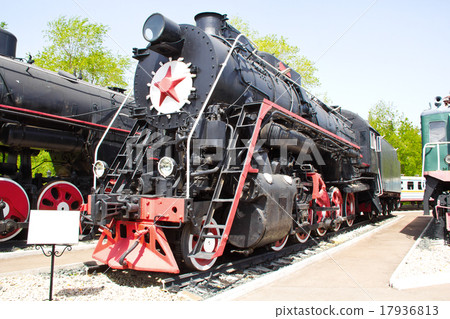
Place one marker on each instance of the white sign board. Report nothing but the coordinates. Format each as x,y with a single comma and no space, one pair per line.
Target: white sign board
53,227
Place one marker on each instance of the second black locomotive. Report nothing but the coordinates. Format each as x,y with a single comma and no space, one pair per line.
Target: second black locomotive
59,113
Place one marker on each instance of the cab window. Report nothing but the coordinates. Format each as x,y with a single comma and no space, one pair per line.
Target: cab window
373,141
438,131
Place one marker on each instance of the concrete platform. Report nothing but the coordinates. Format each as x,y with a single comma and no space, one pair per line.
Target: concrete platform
361,271
34,260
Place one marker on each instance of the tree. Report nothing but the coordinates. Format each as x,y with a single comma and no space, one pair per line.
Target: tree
280,47
401,134
3,25
42,163
77,46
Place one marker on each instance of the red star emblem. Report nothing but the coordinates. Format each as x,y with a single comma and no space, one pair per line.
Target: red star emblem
167,86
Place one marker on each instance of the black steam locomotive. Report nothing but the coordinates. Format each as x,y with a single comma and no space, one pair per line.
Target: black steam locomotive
228,148
59,113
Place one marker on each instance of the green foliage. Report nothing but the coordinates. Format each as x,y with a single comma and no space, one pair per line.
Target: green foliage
42,163
280,47
401,134
77,46
3,25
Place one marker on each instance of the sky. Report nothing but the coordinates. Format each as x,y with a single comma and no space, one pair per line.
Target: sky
365,50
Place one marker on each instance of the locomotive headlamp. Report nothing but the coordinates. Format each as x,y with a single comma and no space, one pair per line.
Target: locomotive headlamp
166,166
447,159
100,169
159,29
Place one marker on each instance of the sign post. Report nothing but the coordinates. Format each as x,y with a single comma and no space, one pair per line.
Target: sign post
53,227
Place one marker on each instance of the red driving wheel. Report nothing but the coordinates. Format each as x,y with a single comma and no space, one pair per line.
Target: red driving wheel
321,201
336,200
17,205
60,195
278,245
189,241
303,236
350,208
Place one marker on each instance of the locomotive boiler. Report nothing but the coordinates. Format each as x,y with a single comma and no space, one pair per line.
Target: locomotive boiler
57,112
228,148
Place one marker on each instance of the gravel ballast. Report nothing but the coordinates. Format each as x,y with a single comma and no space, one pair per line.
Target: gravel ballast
76,285
427,263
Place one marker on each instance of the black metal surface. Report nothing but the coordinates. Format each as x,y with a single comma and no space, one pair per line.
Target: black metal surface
32,137
31,88
159,29
52,254
8,43
263,217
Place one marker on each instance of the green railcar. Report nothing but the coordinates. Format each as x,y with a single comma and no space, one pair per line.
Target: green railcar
435,127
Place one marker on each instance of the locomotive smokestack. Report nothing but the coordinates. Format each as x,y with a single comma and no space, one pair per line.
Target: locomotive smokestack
8,43
211,22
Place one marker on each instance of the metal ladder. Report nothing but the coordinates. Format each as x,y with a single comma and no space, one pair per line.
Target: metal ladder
232,171
124,164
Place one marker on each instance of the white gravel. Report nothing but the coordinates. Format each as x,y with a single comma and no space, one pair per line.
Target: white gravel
76,285
428,262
